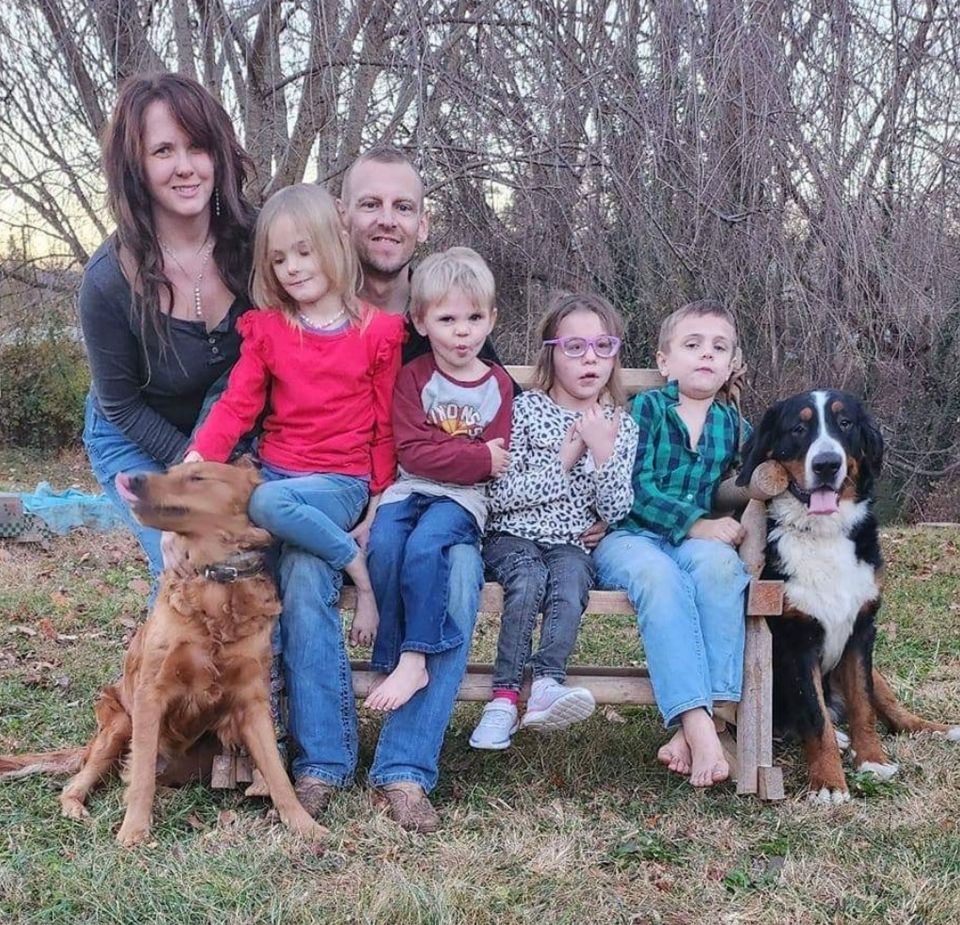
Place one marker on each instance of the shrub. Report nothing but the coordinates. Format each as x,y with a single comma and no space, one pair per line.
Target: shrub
43,383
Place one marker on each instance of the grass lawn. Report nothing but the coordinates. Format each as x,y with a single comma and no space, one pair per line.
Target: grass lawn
581,827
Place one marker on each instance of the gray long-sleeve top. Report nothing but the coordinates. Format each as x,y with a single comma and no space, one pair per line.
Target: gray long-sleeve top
155,405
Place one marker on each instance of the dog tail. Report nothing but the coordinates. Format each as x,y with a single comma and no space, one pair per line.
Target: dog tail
897,718
61,761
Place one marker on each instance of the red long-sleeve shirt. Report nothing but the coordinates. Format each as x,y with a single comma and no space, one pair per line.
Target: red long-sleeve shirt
330,396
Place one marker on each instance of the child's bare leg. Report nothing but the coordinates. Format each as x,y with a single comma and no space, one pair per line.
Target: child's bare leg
676,754
708,766
401,684
363,627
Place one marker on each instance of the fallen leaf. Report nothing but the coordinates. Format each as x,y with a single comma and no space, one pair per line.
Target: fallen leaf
612,716
59,599
226,818
128,622
47,629
23,630
139,586
194,822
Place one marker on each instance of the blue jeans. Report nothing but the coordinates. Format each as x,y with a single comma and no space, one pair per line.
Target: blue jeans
110,453
323,716
689,601
314,658
555,579
313,512
408,561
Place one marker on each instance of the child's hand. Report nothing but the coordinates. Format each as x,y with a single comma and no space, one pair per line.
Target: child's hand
725,529
594,533
499,457
193,456
599,433
572,447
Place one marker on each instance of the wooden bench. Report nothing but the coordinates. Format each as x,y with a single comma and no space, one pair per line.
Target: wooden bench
751,756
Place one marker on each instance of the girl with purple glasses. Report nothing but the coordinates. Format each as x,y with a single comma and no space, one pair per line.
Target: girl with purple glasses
571,460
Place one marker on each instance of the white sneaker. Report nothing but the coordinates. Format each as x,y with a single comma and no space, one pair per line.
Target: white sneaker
497,723
552,706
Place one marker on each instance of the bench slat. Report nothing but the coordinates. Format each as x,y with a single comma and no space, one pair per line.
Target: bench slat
634,380
764,600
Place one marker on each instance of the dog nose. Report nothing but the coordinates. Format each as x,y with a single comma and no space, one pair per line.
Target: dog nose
826,465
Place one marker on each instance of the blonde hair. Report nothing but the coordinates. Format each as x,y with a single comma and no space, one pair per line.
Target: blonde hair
460,268
698,309
544,373
314,212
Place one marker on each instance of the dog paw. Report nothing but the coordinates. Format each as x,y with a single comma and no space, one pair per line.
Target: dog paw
843,740
953,733
309,830
828,796
74,809
880,770
131,835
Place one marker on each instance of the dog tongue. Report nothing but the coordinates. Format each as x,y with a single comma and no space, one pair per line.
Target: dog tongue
823,501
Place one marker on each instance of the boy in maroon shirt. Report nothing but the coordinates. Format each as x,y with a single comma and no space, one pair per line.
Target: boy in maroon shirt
451,424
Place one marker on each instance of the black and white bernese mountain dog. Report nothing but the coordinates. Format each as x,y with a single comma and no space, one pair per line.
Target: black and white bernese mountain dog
823,543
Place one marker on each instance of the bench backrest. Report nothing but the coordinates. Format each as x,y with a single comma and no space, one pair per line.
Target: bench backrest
634,380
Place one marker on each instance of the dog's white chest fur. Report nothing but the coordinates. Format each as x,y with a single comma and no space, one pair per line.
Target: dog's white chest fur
825,579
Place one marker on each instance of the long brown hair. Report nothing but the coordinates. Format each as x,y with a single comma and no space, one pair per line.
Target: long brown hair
207,124
544,372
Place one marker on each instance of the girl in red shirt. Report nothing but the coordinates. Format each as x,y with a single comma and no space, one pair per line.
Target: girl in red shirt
325,364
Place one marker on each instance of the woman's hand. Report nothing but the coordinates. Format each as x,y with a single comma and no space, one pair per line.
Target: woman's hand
193,456
175,557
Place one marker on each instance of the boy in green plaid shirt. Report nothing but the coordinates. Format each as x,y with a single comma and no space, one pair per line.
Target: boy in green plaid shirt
679,567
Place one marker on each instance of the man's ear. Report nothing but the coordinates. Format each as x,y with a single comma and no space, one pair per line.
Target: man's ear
423,228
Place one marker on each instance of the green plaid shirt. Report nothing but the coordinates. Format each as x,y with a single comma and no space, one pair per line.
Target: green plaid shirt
674,486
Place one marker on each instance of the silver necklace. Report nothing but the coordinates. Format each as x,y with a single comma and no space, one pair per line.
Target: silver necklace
306,322
207,250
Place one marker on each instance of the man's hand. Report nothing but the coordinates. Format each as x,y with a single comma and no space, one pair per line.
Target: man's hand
725,529
175,557
499,457
361,532
599,433
593,534
572,447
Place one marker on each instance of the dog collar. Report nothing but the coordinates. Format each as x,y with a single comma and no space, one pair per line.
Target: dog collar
242,565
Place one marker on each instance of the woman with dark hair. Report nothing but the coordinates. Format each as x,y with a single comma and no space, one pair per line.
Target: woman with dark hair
160,298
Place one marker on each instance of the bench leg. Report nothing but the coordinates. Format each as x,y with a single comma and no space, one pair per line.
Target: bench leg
756,771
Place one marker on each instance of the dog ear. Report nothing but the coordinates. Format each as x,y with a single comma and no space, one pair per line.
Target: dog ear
759,447
872,444
245,461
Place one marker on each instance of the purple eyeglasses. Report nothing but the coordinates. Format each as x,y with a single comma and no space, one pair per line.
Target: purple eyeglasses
604,345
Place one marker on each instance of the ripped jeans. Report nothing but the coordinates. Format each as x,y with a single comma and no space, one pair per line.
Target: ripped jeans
536,577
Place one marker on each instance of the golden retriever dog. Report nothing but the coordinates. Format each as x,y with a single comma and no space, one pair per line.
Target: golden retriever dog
200,664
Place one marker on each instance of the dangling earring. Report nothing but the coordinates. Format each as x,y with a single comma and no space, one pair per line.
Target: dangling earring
216,203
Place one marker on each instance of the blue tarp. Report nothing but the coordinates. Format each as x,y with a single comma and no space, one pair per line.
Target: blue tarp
63,511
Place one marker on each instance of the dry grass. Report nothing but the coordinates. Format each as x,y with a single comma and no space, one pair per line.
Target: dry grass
582,827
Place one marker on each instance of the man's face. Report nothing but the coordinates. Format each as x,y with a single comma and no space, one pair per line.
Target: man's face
383,211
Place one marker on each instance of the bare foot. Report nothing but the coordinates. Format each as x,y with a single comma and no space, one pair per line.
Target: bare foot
709,765
676,754
363,627
401,684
